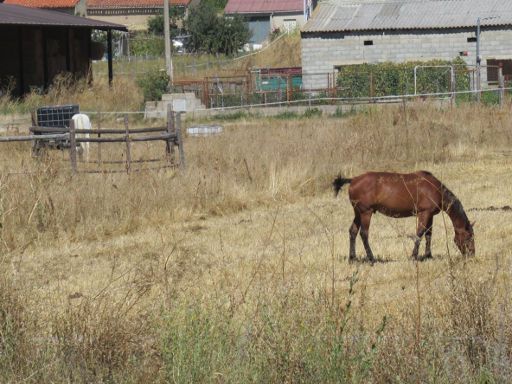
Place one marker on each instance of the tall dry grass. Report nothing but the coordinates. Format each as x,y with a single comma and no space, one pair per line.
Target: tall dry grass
122,95
234,270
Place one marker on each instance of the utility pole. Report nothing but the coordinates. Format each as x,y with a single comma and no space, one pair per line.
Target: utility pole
167,33
478,61
479,56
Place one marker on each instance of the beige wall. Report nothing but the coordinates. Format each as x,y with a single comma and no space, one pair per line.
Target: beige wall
132,22
286,21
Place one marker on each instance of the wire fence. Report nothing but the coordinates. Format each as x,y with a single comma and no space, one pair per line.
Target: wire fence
288,85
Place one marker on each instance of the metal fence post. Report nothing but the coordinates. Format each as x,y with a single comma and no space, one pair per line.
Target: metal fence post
501,86
453,84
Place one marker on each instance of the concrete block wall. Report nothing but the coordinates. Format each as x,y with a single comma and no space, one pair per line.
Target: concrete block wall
323,52
158,109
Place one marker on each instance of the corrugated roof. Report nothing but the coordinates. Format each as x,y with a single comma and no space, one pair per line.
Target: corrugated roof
263,6
18,15
108,4
340,16
43,3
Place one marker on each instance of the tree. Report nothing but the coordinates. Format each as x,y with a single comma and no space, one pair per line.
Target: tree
156,23
218,4
214,34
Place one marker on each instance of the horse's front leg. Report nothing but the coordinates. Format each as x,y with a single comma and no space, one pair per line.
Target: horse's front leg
428,239
423,218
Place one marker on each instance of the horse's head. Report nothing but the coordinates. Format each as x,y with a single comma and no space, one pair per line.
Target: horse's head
465,240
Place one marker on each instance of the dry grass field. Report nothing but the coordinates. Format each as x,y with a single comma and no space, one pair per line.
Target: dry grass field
235,270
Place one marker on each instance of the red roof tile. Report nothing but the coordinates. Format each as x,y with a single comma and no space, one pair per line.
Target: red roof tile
133,3
43,3
264,6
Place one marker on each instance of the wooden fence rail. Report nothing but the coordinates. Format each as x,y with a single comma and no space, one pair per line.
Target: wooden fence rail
38,130
164,136
60,136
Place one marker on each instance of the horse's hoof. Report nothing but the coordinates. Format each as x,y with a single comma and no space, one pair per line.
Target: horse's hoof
352,260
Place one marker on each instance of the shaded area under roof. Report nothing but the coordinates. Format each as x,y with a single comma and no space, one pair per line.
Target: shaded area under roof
342,16
17,15
264,6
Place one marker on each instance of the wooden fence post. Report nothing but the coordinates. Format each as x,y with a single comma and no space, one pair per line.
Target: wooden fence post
72,145
99,135
180,140
171,129
127,139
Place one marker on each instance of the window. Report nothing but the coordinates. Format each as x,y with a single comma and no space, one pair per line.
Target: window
492,69
368,42
471,39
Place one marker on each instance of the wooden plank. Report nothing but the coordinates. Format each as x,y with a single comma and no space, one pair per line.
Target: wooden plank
123,161
36,129
34,137
164,136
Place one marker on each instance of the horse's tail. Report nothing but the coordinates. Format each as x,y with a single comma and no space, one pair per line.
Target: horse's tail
338,183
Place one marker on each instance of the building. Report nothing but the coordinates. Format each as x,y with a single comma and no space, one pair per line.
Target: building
266,16
133,14
342,32
36,45
71,7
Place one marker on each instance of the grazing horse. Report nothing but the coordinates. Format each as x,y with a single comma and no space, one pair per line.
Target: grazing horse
417,194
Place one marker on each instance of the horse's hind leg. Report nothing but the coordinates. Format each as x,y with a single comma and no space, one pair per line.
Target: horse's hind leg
428,239
365,228
353,231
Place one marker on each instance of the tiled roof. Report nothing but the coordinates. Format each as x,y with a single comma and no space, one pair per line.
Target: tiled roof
343,15
264,6
133,3
43,3
17,15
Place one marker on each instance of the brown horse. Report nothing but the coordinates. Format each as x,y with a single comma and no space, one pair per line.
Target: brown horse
403,195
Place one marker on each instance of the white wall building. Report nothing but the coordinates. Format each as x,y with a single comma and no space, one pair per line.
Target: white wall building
343,32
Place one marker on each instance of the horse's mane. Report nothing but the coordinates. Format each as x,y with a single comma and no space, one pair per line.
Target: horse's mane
453,204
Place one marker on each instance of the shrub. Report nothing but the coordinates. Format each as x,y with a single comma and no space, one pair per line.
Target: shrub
383,79
312,112
154,84
145,44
